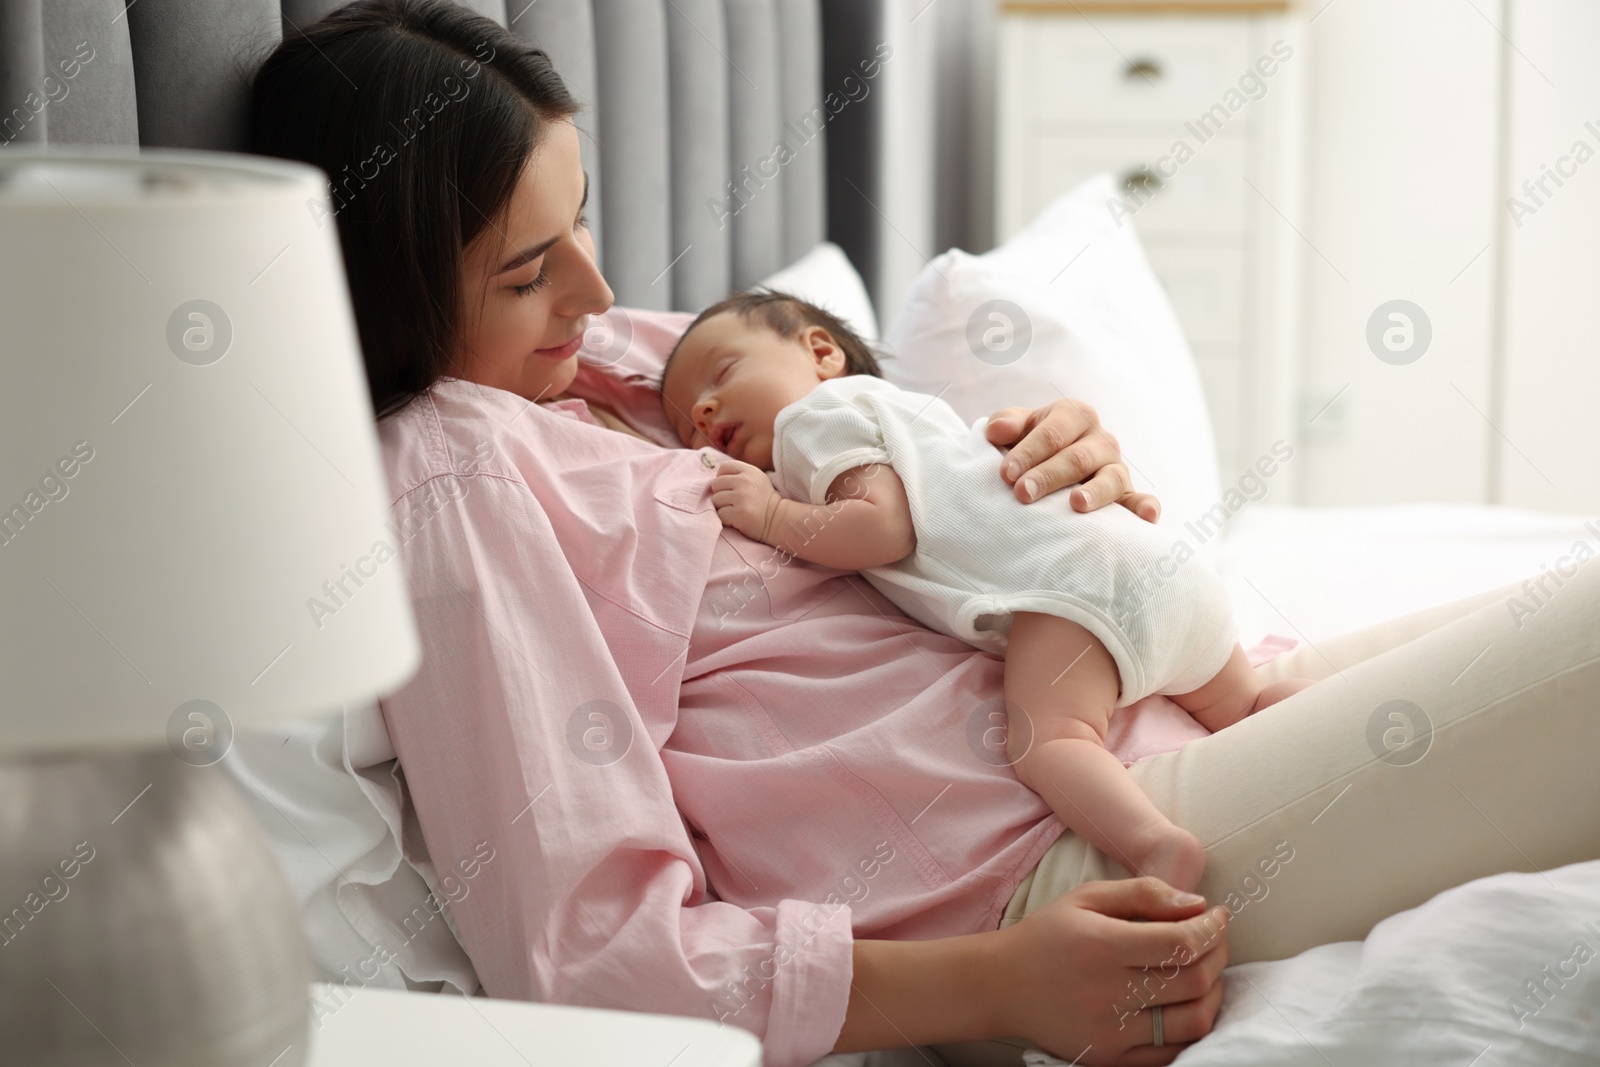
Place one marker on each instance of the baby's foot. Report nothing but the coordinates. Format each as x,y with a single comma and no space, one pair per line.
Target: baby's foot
1173,855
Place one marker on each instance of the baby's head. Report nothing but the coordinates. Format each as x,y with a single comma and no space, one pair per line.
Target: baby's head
747,358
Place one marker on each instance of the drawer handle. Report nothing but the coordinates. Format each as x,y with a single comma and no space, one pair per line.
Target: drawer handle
1143,67
1140,179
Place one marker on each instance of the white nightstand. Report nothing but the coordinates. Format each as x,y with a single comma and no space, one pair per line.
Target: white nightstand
390,1029
1116,85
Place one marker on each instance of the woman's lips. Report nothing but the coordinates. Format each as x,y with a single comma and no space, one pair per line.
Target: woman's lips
563,351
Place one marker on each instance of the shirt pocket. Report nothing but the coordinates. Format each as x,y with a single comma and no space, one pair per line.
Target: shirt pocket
686,486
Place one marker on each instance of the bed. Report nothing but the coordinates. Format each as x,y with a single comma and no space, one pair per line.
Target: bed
1442,983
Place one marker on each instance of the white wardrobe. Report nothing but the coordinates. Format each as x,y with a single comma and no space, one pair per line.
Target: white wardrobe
1368,177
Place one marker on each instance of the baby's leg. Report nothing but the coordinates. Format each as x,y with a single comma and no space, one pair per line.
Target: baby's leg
1062,684
1235,692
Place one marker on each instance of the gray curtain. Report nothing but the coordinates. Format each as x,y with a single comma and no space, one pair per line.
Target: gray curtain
702,176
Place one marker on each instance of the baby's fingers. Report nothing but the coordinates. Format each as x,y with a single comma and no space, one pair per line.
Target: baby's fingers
728,482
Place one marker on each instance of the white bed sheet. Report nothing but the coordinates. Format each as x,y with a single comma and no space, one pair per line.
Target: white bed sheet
1312,573
1447,982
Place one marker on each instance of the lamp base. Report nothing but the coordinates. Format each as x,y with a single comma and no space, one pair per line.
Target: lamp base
143,919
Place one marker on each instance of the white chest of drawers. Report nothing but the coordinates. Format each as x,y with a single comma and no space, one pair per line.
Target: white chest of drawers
1191,106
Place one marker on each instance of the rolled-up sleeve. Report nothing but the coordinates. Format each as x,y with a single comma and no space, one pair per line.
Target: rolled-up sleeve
827,432
520,742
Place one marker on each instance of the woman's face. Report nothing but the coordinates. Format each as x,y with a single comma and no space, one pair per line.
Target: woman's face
530,282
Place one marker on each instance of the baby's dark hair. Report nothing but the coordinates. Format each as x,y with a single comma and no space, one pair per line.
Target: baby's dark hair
786,316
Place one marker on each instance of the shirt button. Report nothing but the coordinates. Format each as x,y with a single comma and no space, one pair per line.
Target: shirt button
705,457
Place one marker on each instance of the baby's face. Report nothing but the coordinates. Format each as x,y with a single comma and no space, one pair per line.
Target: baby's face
730,379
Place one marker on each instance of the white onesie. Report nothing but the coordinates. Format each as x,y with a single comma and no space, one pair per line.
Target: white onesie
981,554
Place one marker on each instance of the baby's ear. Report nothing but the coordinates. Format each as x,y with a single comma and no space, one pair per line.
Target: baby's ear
830,358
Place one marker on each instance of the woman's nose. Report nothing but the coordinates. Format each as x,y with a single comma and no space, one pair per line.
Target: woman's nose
589,294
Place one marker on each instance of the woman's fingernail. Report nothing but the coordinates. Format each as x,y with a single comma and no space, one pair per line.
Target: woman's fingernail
1029,488
1185,900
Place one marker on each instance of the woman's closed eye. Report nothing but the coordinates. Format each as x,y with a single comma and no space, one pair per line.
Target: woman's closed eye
542,279
538,282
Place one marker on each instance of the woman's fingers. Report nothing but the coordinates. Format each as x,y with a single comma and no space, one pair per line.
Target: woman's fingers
1063,444
1144,505
1007,427
1033,436
1173,936
1181,1025
1112,485
1108,485
1164,946
1146,897
1093,456
1173,982
1062,438
1128,944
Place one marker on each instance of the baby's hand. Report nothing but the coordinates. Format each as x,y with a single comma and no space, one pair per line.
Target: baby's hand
744,498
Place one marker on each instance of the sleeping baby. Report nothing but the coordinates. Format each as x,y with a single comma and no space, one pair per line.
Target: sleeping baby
1089,610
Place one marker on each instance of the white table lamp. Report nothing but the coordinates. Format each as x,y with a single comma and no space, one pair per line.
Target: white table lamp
193,541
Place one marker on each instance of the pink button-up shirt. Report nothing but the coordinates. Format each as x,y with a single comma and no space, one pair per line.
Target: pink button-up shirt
702,769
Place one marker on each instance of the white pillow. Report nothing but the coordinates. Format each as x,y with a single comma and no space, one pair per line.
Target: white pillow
1068,307
326,792
825,277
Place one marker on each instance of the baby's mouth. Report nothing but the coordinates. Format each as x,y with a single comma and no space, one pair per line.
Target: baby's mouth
725,435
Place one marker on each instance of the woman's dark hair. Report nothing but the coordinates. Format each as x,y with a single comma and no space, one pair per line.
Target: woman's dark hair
786,316
423,115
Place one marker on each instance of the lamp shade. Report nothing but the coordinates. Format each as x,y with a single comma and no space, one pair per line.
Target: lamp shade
193,509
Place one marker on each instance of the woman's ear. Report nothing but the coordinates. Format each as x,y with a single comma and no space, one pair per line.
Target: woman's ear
824,350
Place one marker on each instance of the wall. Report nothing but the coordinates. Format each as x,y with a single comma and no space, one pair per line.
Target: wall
1549,456
1401,129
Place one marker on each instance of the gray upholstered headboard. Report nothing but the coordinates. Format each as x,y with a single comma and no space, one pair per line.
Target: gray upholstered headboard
686,103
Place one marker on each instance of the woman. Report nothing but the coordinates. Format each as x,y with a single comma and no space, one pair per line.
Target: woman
770,800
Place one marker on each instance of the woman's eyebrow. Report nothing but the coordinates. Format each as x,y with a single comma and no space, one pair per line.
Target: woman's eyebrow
528,255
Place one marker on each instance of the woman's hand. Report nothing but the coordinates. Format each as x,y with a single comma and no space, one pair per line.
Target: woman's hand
1078,979
1062,444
